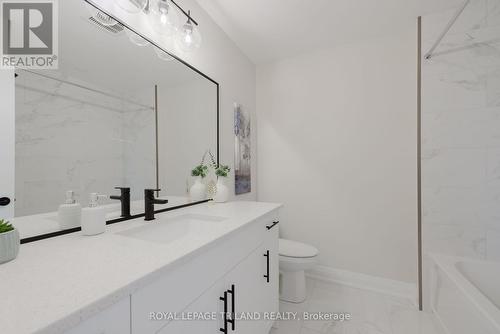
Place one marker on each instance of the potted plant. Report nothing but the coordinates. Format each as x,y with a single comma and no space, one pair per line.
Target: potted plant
9,241
222,194
198,190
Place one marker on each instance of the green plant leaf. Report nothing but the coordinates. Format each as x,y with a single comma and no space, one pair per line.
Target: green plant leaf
5,226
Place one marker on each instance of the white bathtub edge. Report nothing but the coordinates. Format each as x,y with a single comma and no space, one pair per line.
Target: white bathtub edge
447,263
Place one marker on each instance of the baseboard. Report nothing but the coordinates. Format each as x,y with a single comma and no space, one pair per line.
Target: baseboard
363,281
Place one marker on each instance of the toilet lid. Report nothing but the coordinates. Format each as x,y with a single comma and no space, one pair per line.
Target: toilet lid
296,249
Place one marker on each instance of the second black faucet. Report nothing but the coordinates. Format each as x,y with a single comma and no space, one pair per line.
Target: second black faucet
149,203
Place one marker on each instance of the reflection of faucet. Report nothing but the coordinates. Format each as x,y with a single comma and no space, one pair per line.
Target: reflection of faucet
149,203
124,198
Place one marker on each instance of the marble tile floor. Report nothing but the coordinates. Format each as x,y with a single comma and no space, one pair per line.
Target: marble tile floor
371,313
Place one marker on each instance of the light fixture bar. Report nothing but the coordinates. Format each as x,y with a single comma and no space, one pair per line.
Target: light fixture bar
188,14
450,24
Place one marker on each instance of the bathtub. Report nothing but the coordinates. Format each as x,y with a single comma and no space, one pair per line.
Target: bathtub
465,294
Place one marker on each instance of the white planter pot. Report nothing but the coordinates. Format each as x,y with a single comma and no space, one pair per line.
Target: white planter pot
9,245
222,194
198,191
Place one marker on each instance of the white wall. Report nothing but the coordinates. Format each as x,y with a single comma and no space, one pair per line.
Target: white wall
220,59
7,140
337,145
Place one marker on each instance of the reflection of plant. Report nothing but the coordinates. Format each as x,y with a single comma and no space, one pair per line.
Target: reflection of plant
201,169
222,170
5,226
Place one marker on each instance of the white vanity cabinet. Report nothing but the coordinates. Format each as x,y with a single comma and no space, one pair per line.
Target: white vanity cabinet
255,282
236,268
245,290
113,320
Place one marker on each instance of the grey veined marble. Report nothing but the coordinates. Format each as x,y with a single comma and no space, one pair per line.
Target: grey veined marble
460,133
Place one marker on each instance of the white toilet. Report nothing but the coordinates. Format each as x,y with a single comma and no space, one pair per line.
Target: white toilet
295,257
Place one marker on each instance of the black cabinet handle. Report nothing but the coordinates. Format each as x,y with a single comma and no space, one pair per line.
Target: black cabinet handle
272,225
266,255
233,307
4,201
224,299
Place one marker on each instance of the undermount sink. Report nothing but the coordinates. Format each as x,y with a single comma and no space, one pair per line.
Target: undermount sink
167,230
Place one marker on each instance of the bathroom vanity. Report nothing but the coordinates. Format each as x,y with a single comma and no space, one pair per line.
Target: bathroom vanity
201,268
150,277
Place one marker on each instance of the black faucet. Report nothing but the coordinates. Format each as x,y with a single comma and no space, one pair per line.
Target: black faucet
124,198
149,203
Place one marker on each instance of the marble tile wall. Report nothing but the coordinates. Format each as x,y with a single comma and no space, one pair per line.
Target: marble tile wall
461,133
71,139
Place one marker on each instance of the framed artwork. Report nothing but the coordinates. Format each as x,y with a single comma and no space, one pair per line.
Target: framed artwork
242,152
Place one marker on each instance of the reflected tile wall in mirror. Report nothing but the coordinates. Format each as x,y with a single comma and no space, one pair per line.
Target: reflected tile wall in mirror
90,125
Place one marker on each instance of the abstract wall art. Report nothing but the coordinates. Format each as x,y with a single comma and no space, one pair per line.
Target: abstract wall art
242,151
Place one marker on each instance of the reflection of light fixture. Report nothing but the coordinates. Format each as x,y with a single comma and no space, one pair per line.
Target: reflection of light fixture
136,39
162,54
132,6
189,38
165,17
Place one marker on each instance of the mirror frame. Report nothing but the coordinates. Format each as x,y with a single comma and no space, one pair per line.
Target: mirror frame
118,220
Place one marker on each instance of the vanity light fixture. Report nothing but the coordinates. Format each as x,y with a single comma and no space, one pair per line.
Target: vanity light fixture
189,38
165,18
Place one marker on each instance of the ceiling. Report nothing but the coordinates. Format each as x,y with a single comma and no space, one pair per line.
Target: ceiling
268,30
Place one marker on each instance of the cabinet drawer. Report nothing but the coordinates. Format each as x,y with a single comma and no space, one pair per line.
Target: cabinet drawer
114,320
177,288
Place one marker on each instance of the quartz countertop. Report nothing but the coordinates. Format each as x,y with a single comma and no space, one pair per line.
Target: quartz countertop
56,283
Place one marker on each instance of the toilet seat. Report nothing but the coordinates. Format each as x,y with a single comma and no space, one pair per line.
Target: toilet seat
298,250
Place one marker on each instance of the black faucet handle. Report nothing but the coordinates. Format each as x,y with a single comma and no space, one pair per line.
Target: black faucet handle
124,198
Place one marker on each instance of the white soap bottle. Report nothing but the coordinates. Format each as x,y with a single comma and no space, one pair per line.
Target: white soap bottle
69,214
94,217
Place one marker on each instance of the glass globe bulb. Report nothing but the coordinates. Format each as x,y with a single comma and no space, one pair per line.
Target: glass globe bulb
165,18
189,38
162,54
136,39
132,6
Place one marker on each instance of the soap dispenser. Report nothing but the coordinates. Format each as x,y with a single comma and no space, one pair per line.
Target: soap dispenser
69,214
94,217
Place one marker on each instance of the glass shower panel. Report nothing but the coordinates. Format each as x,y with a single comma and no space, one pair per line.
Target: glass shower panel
461,143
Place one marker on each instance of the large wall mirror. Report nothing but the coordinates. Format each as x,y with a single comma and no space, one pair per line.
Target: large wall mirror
119,112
